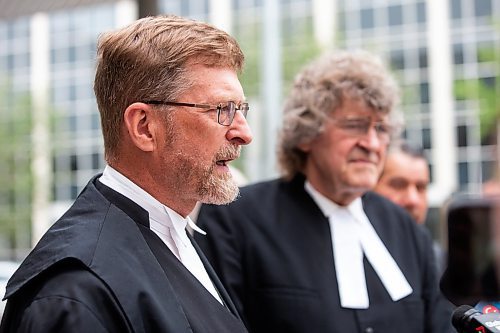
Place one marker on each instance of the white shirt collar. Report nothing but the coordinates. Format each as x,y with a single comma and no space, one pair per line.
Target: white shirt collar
353,237
329,208
157,211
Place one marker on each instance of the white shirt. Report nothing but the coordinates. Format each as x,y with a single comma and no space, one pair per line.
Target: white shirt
166,223
353,237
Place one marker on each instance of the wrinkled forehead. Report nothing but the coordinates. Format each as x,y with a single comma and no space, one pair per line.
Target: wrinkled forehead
358,108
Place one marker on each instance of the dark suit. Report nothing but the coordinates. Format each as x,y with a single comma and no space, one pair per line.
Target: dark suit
272,249
101,269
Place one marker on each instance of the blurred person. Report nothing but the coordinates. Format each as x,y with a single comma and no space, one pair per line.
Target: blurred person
404,180
315,250
119,260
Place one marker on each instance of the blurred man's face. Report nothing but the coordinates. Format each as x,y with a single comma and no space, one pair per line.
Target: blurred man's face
345,161
404,181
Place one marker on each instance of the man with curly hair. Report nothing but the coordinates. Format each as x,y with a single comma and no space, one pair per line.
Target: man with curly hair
316,250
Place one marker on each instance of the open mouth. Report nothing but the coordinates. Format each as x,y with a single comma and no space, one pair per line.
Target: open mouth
223,162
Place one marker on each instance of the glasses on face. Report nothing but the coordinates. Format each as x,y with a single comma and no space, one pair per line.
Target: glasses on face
360,127
225,111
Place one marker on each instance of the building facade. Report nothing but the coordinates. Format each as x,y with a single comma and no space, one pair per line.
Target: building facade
47,58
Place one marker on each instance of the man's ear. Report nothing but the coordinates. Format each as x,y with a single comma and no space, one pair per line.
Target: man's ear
140,126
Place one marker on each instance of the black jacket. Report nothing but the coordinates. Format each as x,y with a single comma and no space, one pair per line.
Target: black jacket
101,269
272,249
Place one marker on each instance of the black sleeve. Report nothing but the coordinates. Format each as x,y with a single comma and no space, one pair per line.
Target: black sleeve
66,298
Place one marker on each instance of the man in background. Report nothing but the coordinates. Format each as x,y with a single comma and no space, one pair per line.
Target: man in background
405,179
315,250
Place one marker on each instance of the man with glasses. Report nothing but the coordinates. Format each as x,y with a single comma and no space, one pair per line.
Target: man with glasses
120,259
316,250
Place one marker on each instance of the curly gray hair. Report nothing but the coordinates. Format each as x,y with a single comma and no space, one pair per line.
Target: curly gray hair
320,88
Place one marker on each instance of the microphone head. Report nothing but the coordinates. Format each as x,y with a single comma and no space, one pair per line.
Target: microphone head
461,317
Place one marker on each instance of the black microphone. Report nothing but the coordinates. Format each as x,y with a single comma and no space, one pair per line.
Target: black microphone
466,319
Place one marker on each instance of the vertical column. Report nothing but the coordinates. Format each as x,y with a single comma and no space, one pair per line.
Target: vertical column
220,15
271,83
41,155
324,22
444,152
127,11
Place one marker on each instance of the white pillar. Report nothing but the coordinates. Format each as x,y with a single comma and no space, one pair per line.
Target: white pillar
126,11
271,84
324,22
444,151
220,14
41,155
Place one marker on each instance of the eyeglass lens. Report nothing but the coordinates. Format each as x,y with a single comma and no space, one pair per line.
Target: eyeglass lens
226,112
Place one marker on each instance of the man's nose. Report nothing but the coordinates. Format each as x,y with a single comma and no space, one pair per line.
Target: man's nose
371,139
239,131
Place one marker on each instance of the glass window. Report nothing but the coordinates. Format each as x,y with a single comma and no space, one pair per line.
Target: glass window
74,164
424,92
367,18
95,121
74,191
489,82
395,15
421,14
422,57
463,173
458,54
456,8
482,7
488,169
397,59
462,136
426,138
96,161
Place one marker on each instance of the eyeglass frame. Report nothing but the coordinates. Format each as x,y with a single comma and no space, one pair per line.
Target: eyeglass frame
242,107
384,130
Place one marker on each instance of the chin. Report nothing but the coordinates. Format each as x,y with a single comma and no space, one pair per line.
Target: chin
219,191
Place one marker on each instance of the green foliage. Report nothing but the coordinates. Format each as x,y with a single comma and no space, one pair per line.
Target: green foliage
297,50
489,104
15,167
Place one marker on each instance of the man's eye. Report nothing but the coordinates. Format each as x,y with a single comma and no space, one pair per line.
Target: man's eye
382,128
355,124
225,108
398,184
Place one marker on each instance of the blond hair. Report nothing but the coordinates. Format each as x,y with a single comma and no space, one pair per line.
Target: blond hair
149,60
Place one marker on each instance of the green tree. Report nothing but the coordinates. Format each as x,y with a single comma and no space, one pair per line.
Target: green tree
15,168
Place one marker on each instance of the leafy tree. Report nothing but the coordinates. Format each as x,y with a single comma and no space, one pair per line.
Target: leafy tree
15,168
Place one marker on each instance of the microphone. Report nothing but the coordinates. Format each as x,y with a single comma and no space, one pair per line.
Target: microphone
466,319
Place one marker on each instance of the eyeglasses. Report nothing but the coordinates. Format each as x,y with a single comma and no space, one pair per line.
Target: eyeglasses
361,126
225,111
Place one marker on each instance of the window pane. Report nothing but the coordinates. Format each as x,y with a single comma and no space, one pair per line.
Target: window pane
367,19
422,57
458,54
395,15
482,7
426,138
456,8
462,136
463,171
397,59
421,15
424,93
